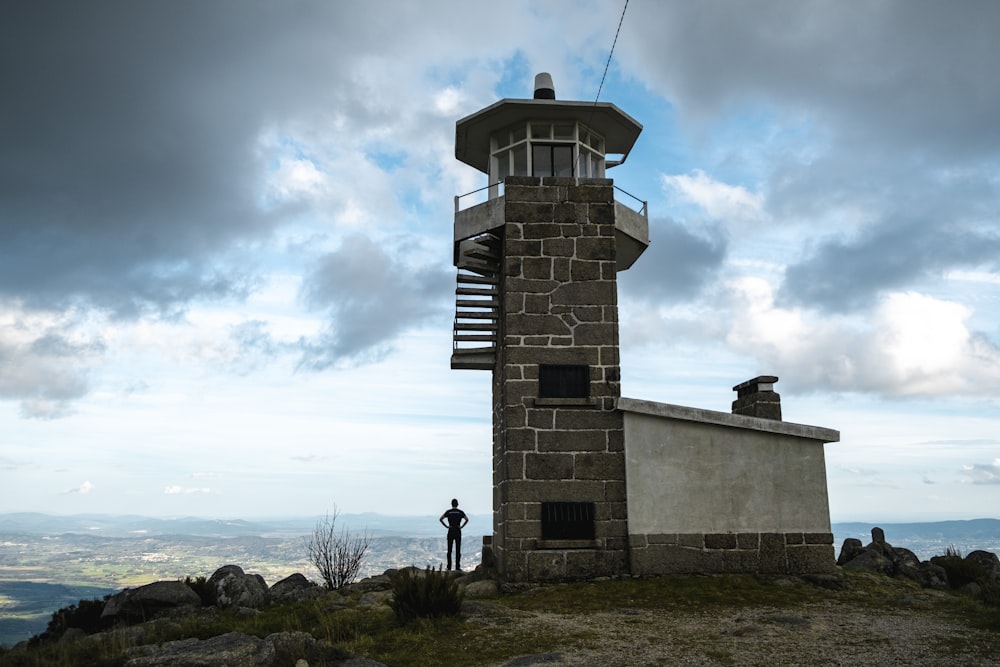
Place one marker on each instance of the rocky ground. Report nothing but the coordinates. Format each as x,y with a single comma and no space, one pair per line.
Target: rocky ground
826,633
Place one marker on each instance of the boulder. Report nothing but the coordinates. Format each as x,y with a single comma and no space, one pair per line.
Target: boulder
851,548
901,556
375,599
231,587
379,582
140,604
72,636
986,560
294,588
486,588
871,559
232,648
927,574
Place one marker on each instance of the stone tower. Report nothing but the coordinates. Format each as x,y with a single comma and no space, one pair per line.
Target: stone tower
536,304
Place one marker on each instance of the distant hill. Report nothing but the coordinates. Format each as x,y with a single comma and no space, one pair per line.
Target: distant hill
49,561
128,525
927,539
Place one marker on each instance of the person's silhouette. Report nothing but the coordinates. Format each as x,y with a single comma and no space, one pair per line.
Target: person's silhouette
456,520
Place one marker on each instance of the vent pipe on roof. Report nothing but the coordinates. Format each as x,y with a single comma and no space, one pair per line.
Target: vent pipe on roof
544,90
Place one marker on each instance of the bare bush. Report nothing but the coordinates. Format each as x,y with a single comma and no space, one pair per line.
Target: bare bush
337,556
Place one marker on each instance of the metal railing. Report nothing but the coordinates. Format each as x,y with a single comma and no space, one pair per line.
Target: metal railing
644,209
458,198
643,204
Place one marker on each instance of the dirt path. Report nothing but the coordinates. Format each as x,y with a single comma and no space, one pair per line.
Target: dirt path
818,634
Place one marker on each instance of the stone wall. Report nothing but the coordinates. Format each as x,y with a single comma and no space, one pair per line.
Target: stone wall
559,306
716,492
717,553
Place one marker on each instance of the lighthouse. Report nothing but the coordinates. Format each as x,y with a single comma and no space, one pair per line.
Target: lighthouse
586,482
537,305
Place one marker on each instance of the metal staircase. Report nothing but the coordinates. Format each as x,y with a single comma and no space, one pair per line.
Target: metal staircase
477,303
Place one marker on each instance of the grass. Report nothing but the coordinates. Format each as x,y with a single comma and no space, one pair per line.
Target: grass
714,591
491,638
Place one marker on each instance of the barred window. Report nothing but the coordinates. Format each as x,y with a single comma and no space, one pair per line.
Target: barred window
567,521
563,381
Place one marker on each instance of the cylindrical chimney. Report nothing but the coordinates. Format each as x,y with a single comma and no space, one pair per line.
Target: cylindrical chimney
544,90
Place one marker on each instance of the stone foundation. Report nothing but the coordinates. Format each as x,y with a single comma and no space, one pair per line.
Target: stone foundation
721,553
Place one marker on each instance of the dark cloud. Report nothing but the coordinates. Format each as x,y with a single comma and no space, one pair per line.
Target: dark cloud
912,73
131,173
128,158
46,374
843,275
677,264
371,295
887,117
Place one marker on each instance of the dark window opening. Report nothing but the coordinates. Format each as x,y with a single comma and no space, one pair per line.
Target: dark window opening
567,521
563,381
551,160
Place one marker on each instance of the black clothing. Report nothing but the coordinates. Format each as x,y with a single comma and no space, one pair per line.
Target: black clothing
455,516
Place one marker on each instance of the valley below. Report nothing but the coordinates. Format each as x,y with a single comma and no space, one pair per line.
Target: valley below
47,562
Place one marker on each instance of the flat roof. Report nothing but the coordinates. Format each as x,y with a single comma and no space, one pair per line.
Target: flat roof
472,133
668,411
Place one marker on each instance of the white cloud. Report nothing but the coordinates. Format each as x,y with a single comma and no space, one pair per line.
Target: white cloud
448,101
311,457
82,490
861,472
45,359
983,473
176,489
974,277
295,179
721,201
910,345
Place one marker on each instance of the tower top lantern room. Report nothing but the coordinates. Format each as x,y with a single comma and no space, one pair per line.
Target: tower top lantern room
546,161
544,136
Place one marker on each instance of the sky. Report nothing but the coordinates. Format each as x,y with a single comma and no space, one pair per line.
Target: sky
226,286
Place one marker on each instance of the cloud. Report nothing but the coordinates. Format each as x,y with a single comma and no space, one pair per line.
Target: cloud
844,275
983,473
254,345
45,362
887,74
176,490
678,264
860,472
308,458
719,200
370,295
82,490
132,177
871,127
911,345
8,463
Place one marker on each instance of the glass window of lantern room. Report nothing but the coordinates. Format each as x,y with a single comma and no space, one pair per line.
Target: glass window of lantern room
562,160
564,132
520,153
552,160
501,170
541,160
591,164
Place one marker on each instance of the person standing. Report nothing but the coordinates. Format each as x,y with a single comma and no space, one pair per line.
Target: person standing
456,520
